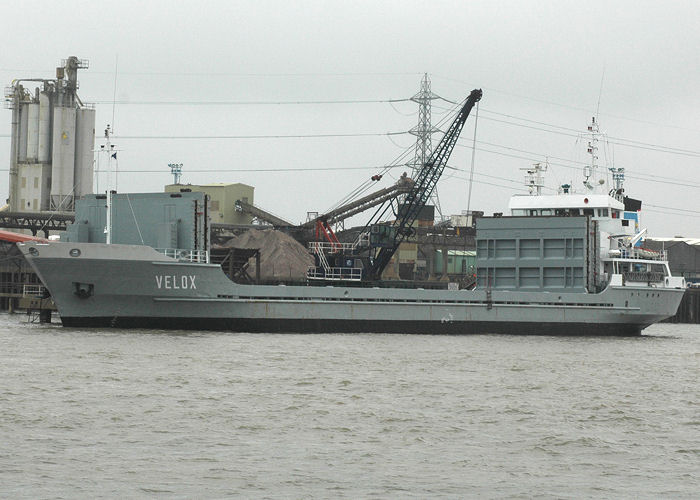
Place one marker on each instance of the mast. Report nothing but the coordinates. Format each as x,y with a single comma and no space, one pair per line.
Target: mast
534,180
618,176
591,170
108,147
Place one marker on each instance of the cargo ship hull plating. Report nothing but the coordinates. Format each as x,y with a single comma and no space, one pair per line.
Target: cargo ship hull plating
128,286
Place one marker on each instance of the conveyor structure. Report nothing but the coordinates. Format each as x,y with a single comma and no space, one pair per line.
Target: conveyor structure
261,214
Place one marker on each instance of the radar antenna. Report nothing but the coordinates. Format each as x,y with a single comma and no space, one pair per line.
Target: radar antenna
534,180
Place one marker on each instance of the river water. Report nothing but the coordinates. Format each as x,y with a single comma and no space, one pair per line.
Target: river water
112,413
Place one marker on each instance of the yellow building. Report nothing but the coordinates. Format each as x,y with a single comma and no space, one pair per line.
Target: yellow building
223,200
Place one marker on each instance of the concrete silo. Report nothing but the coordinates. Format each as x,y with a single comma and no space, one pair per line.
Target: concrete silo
53,135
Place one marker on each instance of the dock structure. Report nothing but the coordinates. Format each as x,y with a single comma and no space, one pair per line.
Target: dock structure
36,222
20,288
689,310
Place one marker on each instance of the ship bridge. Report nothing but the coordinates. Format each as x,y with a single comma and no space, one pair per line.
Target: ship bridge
595,205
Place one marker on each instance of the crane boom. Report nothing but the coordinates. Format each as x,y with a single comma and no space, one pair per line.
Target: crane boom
423,187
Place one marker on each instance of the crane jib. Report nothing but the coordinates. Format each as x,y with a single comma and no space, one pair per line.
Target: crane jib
424,185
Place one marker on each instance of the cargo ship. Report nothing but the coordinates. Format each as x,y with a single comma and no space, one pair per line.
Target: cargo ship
539,274
567,263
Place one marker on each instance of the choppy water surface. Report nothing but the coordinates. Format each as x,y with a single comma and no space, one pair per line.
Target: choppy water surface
110,413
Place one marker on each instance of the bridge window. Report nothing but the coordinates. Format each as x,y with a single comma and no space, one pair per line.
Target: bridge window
657,268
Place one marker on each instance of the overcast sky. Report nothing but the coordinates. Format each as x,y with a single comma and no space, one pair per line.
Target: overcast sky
540,65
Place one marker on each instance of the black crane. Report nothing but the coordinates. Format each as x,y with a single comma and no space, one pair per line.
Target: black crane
422,188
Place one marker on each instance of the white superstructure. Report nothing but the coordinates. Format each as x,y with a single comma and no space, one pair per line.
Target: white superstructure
621,257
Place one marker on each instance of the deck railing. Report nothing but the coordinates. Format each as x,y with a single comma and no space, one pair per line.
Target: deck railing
642,254
25,289
33,290
186,255
328,247
334,273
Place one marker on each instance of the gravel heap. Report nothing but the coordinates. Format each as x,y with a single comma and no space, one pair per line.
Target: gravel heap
281,256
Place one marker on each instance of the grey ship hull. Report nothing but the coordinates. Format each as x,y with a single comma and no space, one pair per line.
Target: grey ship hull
127,286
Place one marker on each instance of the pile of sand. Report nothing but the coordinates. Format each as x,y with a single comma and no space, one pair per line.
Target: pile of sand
281,256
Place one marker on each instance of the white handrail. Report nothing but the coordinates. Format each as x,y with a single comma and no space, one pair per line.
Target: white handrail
32,290
201,256
335,273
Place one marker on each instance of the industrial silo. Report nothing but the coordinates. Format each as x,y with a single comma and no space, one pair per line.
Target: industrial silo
53,135
63,159
44,138
84,143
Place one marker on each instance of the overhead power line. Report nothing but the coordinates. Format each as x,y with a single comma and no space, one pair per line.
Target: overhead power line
559,130
531,121
251,103
675,214
673,208
538,157
236,170
612,140
609,137
653,147
222,73
253,75
262,136
577,108
543,157
535,157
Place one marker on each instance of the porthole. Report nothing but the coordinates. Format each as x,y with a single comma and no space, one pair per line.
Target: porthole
33,251
74,252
